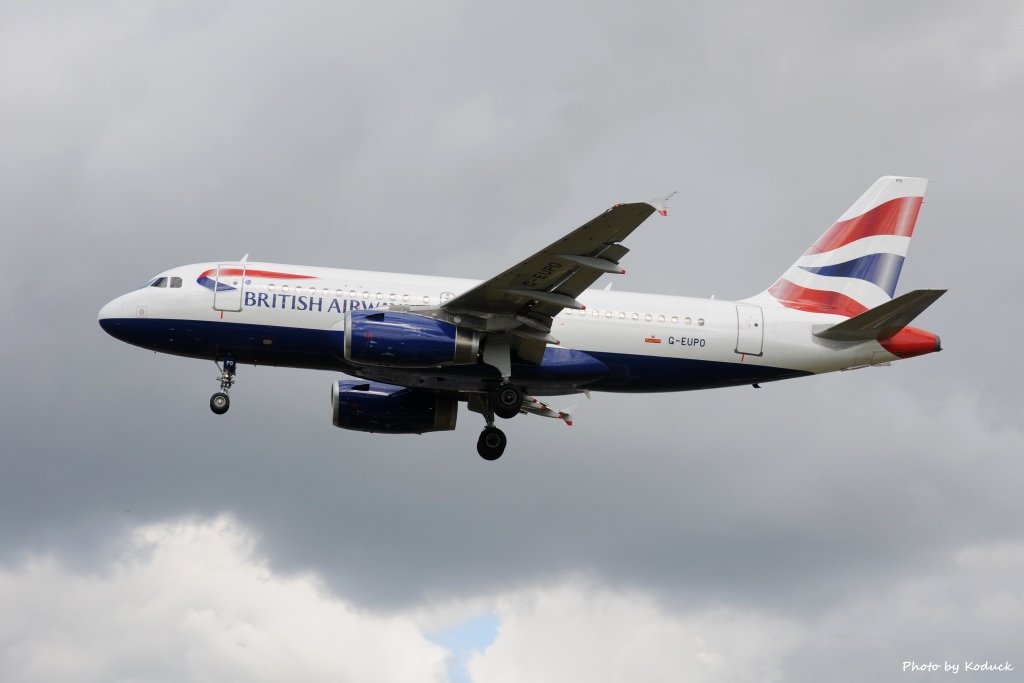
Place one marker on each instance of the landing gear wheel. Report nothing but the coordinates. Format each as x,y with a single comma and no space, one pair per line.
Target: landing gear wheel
491,443
219,403
507,401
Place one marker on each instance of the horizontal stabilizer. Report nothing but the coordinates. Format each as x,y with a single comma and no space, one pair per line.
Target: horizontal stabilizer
882,321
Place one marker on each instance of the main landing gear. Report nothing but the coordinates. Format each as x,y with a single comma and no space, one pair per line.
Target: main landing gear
220,402
506,401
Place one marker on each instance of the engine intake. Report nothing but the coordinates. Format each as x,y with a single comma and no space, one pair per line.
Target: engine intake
397,339
389,409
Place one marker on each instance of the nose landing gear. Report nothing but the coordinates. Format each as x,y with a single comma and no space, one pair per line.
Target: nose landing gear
220,402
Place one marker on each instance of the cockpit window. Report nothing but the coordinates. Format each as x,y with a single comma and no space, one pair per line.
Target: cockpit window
175,282
159,282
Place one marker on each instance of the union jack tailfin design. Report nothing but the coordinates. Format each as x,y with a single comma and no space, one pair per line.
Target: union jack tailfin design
855,265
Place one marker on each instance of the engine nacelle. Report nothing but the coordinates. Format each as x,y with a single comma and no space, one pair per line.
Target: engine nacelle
407,340
388,409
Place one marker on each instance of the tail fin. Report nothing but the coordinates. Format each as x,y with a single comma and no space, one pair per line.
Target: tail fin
855,265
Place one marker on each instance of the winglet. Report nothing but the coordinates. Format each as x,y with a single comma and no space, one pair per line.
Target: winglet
661,204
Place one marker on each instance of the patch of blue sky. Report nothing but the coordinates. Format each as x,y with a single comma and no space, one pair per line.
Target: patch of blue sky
464,641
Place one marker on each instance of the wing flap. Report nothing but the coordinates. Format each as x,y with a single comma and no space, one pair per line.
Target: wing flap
535,407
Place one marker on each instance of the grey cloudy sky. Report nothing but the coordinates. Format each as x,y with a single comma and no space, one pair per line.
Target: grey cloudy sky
829,527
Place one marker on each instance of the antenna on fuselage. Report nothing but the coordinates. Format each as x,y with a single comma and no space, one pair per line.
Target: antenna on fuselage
244,258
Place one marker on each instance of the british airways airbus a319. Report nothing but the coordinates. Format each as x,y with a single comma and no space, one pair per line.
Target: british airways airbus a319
421,345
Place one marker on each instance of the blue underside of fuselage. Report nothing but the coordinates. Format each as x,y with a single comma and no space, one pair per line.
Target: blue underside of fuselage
562,370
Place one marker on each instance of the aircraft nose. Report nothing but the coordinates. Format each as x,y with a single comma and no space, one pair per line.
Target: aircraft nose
111,311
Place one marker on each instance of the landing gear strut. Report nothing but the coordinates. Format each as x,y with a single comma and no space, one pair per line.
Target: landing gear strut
506,401
220,402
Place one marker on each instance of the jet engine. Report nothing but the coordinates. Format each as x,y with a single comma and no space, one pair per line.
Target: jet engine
389,409
398,339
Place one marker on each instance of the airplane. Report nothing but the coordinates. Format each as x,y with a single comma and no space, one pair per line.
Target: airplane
419,346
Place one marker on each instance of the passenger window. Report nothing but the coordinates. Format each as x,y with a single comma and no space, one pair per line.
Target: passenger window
271,287
175,282
689,320
284,288
338,294
380,296
607,314
661,318
392,297
622,315
366,295
700,321
647,317
675,320
298,291
426,299
351,294
405,298
636,316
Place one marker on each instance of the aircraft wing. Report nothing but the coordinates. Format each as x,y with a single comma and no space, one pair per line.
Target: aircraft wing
525,298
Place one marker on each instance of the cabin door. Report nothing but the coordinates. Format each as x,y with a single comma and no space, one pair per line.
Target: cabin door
749,330
228,287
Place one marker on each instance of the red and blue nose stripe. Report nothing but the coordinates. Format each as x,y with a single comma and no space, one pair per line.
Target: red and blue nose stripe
210,283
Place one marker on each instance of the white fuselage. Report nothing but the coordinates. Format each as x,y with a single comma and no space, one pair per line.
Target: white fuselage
621,327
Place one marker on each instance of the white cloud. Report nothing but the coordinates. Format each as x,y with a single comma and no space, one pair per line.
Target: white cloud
189,601
192,601
968,608
578,632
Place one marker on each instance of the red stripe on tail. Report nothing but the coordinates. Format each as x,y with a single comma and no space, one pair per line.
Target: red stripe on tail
895,217
815,300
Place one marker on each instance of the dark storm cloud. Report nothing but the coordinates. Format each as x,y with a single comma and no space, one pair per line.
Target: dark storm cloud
452,140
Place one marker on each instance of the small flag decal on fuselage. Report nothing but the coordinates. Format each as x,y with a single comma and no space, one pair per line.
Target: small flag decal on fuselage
652,340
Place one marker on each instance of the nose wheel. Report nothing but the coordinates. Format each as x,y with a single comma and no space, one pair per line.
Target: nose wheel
220,402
